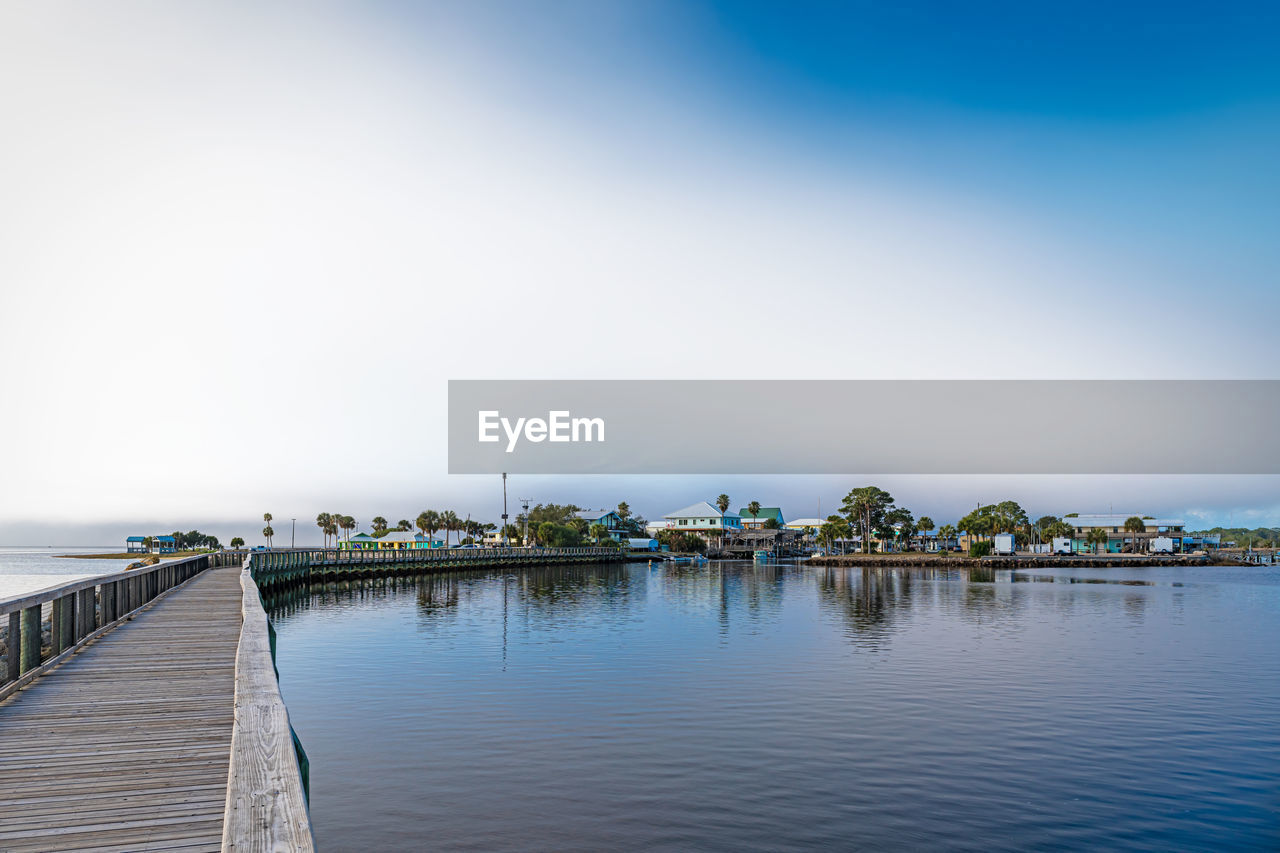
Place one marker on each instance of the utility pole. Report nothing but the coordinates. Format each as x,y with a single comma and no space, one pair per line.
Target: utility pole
505,538
293,532
525,502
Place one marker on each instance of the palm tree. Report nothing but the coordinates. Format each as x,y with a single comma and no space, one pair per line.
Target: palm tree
267,533
348,524
925,525
322,521
599,532
236,542
450,522
946,533
266,516
624,510
404,524
722,504
379,525
1096,536
754,509
428,522
1133,524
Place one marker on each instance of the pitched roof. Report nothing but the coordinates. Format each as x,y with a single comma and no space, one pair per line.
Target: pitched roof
593,514
402,536
766,513
701,509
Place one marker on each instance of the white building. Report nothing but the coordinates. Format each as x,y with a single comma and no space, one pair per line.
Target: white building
702,517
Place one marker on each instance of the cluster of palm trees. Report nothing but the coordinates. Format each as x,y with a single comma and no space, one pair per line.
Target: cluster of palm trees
331,524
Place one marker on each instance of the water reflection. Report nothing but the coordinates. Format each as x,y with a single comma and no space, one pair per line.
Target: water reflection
745,707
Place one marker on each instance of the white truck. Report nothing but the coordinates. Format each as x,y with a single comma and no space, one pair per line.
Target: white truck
1162,545
1062,546
1005,544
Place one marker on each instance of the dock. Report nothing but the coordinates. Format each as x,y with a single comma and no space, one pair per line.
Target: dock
126,745
141,710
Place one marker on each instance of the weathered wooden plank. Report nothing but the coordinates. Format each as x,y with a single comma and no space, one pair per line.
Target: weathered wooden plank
266,808
126,744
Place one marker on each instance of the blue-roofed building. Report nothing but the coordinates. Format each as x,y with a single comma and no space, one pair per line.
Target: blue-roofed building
159,545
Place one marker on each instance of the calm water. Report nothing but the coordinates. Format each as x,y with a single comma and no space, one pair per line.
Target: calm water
739,708
28,569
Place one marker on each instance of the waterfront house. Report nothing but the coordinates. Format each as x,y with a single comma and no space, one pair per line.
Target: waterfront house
136,545
702,517
758,521
609,518
395,540
1118,539
653,528
359,542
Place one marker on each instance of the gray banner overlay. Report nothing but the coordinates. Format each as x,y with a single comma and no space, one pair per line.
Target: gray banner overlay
864,427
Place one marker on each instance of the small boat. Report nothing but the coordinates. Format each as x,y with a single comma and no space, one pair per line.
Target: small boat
764,556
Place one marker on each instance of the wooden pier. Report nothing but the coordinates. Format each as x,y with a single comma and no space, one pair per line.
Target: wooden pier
140,711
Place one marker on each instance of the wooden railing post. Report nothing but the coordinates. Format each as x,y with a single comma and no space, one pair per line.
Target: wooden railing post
30,639
13,662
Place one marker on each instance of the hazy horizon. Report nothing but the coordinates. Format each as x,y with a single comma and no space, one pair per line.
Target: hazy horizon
219,217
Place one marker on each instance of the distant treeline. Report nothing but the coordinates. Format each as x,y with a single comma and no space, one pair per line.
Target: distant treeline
1258,536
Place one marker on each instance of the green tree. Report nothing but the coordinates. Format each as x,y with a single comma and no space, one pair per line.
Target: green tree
722,504
900,525
599,532
754,509
237,542
1095,537
428,522
1133,524
1059,529
268,533
555,535
771,524
946,533
323,521
404,524
450,522
624,511
379,525
865,507
348,524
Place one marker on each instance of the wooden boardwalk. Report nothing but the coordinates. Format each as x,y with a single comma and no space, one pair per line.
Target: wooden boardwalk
126,746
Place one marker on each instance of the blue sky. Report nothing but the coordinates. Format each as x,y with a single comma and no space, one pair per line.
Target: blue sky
597,189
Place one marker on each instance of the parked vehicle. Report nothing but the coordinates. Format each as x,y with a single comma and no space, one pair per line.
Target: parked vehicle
1005,544
1162,545
1062,546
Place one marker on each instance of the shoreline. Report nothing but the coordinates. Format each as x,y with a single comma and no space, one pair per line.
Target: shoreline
1020,561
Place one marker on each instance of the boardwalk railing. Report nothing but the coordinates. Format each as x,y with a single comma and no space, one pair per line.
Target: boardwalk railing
45,627
272,568
266,801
